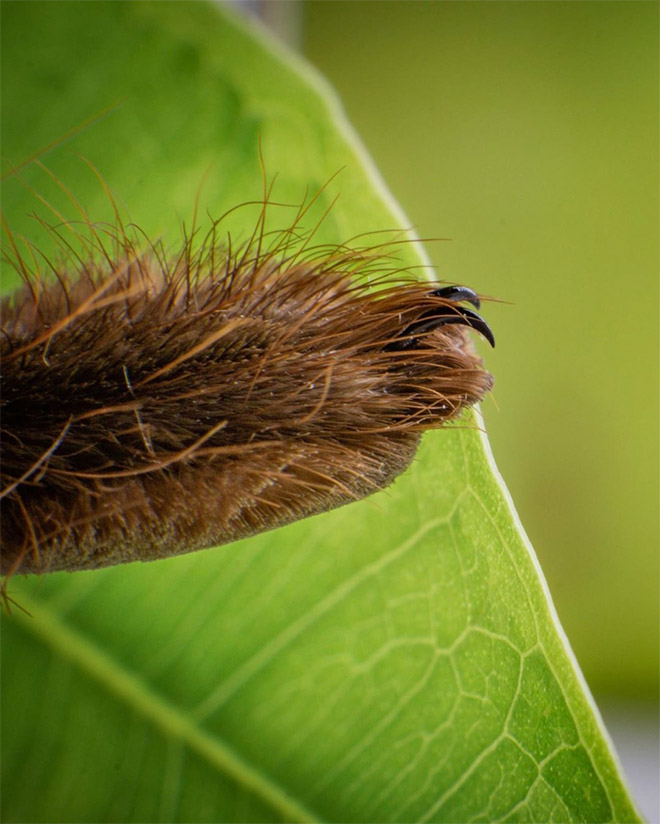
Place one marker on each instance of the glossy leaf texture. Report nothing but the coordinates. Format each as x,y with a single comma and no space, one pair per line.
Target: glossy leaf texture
395,660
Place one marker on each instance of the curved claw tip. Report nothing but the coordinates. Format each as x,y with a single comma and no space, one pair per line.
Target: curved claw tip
475,321
445,315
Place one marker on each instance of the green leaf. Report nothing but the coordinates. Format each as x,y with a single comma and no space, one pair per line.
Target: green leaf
395,660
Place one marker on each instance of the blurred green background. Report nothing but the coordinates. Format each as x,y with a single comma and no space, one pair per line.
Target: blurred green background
527,133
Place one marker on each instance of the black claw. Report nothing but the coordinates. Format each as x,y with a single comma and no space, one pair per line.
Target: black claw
471,319
445,315
458,294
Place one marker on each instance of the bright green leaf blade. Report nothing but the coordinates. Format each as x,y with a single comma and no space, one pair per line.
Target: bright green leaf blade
396,660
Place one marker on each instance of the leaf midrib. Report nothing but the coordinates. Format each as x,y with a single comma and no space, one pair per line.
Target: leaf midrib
46,625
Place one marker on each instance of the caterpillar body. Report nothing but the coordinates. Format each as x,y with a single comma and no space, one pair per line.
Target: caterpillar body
154,403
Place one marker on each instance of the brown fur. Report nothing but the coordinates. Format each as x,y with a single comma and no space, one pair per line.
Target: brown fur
154,405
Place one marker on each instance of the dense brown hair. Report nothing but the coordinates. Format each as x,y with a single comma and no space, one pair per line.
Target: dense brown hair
156,403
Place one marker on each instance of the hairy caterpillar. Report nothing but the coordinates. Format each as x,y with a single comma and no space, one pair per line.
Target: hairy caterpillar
154,403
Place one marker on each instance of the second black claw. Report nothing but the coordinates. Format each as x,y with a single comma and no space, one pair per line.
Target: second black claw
444,315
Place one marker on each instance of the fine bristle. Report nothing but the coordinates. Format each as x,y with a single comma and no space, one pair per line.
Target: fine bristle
156,404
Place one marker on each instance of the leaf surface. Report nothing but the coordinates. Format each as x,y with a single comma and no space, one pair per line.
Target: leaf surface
395,660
